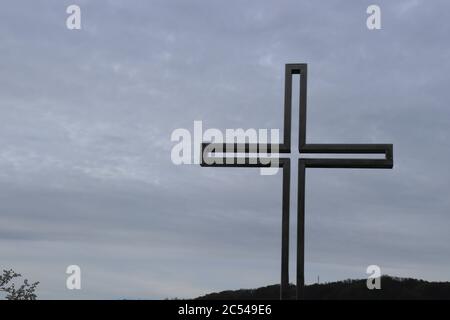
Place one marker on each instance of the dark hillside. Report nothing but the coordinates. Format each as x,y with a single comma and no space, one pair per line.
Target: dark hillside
391,288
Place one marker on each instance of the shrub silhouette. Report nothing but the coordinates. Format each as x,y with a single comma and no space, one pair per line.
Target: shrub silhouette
25,291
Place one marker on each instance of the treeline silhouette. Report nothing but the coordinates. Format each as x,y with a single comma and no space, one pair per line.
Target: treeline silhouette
392,288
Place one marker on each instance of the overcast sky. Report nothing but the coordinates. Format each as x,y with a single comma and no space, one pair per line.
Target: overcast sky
86,118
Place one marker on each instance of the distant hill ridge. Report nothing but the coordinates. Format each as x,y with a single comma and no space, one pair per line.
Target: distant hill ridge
391,288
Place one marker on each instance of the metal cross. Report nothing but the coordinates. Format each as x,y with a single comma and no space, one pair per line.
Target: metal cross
303,163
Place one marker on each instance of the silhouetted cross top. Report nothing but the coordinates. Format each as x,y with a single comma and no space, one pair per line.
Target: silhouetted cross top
303,163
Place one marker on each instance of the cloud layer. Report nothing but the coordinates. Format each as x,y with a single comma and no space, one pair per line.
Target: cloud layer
86,118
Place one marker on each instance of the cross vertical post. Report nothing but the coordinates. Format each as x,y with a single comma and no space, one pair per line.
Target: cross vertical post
284,288
301,229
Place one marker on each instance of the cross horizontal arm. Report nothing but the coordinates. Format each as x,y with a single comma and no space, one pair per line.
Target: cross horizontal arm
245,147
386,149
258,162
235,161
349,163
346,148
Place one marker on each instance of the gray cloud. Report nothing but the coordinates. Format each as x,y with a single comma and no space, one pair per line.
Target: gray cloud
86,119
